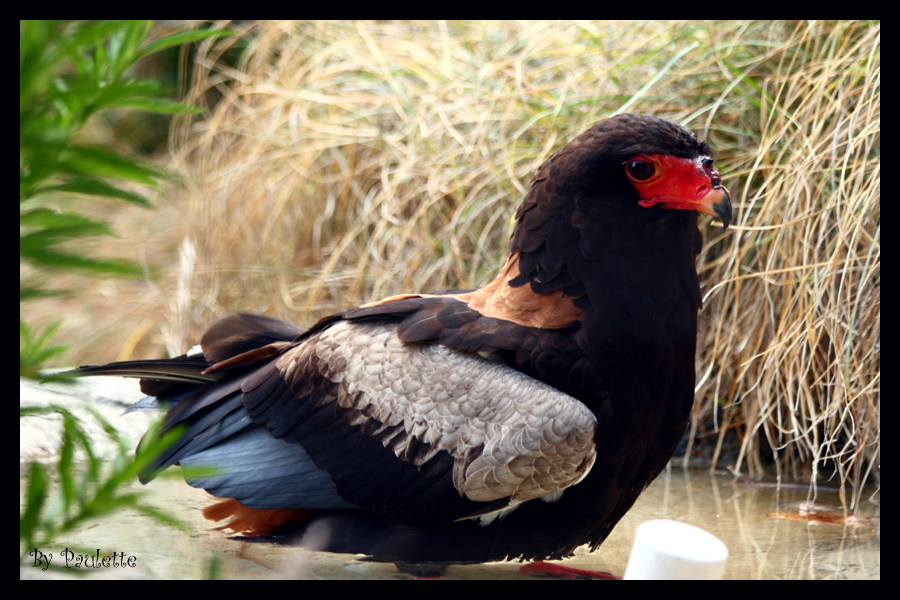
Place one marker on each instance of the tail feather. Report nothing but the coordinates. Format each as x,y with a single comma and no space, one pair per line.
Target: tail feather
225,339
184,368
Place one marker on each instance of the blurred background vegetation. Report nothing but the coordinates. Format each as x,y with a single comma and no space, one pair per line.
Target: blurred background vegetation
335,163
72,73
69,73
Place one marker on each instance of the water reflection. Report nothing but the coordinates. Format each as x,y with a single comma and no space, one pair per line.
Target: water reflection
761,547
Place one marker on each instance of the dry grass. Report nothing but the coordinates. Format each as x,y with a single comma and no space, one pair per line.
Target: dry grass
347,161
793,337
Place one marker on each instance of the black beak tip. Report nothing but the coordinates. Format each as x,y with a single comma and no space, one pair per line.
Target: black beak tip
723,209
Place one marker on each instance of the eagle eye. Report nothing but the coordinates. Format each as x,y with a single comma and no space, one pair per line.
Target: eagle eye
640,170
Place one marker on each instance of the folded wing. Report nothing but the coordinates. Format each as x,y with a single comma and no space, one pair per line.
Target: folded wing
352,417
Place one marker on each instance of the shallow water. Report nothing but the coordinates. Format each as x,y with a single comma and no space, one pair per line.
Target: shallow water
760,546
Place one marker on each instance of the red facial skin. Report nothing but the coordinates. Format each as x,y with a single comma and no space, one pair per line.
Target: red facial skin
680,183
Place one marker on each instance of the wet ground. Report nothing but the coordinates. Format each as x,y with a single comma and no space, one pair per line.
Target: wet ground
760,546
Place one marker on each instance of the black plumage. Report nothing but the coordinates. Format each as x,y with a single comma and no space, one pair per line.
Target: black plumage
596,306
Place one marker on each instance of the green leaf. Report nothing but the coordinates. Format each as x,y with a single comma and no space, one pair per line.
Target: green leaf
82,160
113,95
39,59
108,428
124,44
95,187
35,241
79,36
184,37
29,292
67,225
156,105
61,260
66,455
161,516
34,349
34,502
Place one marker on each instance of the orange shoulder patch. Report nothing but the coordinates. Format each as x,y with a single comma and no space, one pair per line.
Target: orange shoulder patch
521,305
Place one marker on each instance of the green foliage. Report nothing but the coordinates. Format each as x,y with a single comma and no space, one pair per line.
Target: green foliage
37,348
93,494
69,71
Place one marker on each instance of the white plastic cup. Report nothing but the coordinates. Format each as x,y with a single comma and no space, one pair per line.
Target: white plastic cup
672,550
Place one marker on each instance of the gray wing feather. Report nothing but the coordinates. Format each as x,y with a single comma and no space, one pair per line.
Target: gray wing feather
510,435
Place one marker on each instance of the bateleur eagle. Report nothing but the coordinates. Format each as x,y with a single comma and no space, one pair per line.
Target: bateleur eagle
518,420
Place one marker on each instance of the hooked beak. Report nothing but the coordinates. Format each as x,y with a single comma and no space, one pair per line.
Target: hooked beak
718,204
